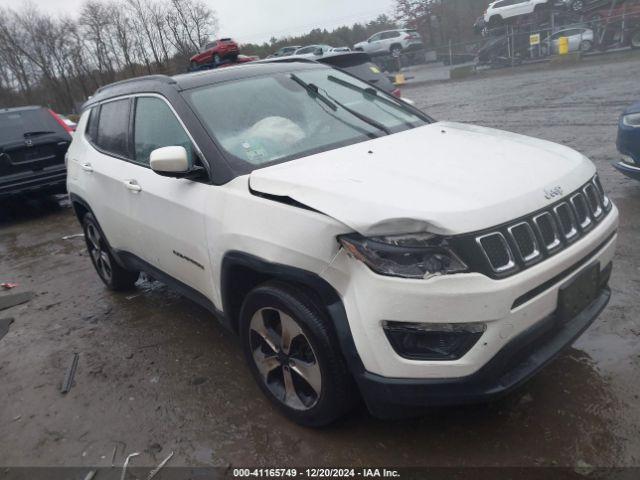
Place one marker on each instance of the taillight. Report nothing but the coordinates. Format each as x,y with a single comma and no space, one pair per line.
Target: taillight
66,127
397,93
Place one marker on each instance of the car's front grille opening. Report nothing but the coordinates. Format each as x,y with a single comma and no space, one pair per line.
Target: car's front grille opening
581,210
548,231
497,251
591,193
525,241
566,221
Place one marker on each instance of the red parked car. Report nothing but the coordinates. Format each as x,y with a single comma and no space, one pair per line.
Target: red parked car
216,51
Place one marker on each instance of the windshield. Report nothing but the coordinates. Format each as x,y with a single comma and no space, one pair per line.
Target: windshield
264,120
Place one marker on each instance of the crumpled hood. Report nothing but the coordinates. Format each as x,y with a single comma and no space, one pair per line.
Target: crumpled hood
445,178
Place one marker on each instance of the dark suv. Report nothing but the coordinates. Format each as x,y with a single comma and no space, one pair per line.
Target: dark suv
33,144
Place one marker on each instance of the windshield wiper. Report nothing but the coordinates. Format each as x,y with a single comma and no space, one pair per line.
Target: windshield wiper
36,133
374,93
332,103
314,91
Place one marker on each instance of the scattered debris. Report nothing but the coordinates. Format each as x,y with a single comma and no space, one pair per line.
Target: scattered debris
198,380
113,455
75,235
8,301
155,471
17,417
8,285
90,475
526,398
126,464
4,326
71,371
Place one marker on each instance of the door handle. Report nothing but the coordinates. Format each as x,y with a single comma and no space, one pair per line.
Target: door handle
133,186
87,167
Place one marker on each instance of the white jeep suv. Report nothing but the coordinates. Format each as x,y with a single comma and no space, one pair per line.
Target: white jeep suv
392,42
502,10
354,244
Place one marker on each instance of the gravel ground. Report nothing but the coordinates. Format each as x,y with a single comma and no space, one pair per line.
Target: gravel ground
156,374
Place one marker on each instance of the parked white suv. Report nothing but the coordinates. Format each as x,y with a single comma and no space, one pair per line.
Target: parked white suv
392,42
355,245
501,10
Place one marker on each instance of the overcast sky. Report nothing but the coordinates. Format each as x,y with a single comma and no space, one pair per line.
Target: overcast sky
259,20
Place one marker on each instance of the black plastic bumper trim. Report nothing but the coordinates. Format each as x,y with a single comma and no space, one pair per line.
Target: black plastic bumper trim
518,361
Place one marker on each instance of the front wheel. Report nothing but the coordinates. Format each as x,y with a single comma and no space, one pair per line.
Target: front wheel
113,275
294,355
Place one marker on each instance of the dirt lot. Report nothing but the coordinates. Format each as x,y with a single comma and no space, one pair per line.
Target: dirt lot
156,374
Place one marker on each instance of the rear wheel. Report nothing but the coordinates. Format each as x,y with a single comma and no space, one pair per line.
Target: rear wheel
216,59
495,21
113,275
586,46
576,6
294,355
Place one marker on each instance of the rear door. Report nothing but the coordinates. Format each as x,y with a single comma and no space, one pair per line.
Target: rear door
167,212
102,168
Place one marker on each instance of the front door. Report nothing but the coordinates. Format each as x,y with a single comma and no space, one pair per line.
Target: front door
168,212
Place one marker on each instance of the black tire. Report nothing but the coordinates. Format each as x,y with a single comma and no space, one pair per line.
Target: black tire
576,6
586,46
113,275
216,59
495,21
272,305
395,51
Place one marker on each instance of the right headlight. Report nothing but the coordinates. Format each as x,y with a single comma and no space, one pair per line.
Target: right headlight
415,256
631,120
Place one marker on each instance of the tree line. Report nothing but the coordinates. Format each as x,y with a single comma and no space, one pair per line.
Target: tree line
59,61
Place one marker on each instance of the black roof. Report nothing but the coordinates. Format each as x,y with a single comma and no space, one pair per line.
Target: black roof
164,84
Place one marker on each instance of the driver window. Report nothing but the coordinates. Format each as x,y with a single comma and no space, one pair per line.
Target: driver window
155,127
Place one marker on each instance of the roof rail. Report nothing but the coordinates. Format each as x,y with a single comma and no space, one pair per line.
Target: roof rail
160,78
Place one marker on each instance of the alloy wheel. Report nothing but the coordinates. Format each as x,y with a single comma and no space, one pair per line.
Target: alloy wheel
285,359
99,253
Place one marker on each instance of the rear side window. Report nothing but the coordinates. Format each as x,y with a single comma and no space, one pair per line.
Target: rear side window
92,124
113,126
15,124
155,127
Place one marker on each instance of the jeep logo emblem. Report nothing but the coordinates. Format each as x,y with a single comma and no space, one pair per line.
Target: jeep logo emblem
551,193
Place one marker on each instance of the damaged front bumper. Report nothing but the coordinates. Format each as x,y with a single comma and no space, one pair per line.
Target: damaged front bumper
516,362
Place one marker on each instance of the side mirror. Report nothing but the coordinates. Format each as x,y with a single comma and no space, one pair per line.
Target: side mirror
169,160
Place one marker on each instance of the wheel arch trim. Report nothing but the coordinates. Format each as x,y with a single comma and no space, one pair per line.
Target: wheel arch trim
329,298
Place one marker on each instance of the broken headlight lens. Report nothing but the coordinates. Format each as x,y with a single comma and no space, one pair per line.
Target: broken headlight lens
631,120
406,256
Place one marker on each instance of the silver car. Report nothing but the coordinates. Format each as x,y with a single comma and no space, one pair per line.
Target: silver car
580,40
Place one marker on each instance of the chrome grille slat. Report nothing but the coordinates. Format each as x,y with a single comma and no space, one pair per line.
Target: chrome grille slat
544,233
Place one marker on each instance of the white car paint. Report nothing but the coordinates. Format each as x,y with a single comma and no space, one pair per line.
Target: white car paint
436,188
444,177
382,42
504,9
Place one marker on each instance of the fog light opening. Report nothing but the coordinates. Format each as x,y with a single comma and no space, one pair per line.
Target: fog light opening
433,341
